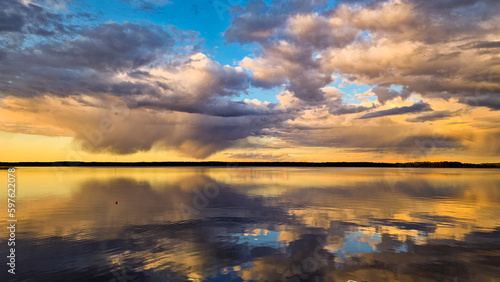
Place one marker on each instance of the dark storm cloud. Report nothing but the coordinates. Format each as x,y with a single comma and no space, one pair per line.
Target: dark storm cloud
248,28
258,21
387,94
198,139
313,31
214,107
10,22
451,5
284,64
426,143
415,108
108,47
490,100
307,85
349,109
17,17
127,131
438,115
488,44
86,64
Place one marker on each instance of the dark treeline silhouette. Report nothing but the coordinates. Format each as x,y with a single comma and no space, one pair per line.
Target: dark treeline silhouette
249,164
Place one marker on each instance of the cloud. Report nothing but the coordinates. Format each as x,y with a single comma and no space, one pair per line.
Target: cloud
247,28
429,142
60,77
437,115
106,124
386,94
89,63
286,63
260,156
258,21
111,47
315,31
490,100
10,22
148,5
155,2
19,20
415,108
414,44
177,97
488,44
196,84
139,63
349,109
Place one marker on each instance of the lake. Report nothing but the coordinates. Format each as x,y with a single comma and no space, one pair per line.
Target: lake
255,224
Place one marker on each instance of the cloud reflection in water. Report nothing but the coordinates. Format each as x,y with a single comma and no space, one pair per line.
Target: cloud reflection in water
264,224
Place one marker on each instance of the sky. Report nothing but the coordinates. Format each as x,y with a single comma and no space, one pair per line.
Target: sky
169,80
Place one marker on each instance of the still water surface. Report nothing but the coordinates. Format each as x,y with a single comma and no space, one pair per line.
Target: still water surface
255,224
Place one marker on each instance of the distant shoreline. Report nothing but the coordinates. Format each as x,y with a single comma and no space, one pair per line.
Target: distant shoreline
249,164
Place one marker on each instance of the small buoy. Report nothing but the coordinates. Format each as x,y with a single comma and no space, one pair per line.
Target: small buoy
116,202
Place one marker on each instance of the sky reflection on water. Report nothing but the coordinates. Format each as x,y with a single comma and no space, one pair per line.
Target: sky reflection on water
260,224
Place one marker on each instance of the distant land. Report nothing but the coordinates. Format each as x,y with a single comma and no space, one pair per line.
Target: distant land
249,164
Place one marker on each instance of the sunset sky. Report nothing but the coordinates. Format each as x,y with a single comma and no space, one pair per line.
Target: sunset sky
236,80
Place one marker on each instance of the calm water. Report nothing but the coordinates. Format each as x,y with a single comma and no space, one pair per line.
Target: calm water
255,224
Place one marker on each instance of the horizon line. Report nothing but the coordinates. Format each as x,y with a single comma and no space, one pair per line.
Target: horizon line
440,164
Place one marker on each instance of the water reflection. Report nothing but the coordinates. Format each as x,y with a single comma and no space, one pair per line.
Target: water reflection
260,224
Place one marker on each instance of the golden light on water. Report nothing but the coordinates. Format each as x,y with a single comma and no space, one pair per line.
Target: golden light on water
363,206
